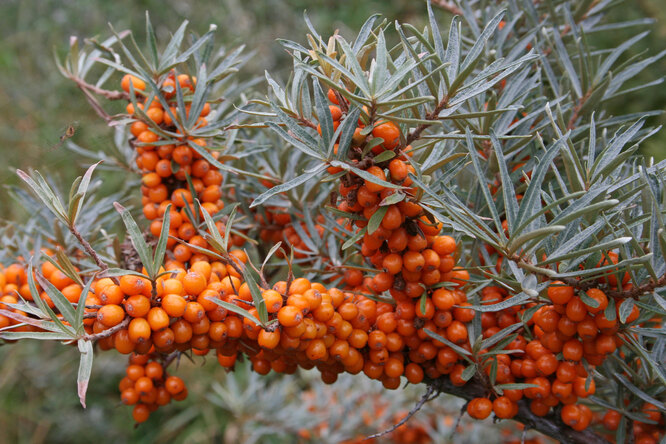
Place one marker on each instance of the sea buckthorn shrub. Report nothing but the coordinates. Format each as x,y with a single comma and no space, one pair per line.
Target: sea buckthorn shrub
453,211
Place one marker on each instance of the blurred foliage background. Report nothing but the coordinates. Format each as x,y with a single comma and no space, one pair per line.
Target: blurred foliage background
37,105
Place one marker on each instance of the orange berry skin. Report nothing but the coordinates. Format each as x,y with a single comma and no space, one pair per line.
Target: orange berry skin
194,283
290,316
111,315
559,293
140,413
379,174
139,330
503,407
479,408
388,131
137,306
137,84
158,318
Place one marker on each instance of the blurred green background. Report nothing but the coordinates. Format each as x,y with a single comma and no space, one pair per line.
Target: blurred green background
37,382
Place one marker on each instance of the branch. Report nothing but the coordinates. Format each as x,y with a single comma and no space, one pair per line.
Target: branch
89,249
429,395
640,290
106,333
414,135
111,95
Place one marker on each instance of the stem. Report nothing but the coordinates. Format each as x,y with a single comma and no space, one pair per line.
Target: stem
427,396
106,333
414,135
89,249
111,95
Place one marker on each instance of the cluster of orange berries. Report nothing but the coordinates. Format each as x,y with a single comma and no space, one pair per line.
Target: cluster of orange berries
278,226
166,167
567,332
147,386
14,283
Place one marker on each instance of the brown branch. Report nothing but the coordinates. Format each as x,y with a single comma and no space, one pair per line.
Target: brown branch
577,108
170,358
414,135
111,95
106,333
305,122
448,6
550,424
640,290
89,249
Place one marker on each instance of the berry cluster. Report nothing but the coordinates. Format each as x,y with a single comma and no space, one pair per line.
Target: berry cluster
147,386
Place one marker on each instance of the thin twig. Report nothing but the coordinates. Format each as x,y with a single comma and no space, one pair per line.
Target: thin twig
89,249
414,135
106,333
427,396
111,95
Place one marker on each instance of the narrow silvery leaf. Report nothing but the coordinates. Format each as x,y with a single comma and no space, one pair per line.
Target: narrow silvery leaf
152,41
59,300
568,66
85,368
481,175
160,248
436,36
380,72
138,241
364,33
453,50
323,113
287,185
376,219
257,298
510,203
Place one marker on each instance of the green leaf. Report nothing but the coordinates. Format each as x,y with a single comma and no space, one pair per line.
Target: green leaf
347,128
258,299
298,144
76,204
139,243
365,175
468,373
475,52
59,300
293,183
323,113
461,351
587,300
481,175
353,239
81,307
152,41
384,156
235,308
45,194
160,248
85,368
39,335
625,309
393,199
376,219
508,192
